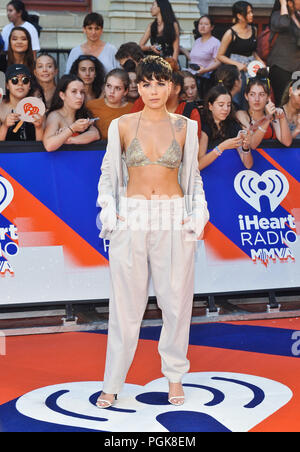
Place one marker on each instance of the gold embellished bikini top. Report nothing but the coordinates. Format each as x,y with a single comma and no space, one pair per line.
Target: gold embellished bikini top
135,155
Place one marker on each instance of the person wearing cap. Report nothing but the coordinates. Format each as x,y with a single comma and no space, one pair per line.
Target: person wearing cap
18,86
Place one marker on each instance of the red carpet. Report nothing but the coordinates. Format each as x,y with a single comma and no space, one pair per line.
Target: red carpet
244,377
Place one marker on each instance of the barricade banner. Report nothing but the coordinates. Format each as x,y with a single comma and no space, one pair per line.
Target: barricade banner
50,249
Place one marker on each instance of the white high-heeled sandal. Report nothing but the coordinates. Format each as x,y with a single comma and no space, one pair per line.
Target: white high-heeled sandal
107,403
181,402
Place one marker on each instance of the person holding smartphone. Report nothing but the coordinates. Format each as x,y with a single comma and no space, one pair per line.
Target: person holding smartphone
19,84
221,131
265,121
284,58
68,119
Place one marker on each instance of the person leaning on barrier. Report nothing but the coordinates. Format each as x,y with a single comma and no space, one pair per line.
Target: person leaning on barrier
114,103
19,85
68,120
221,131
291,105
265,121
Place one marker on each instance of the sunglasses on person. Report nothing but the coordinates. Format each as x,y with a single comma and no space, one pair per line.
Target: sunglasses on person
87,57
15,80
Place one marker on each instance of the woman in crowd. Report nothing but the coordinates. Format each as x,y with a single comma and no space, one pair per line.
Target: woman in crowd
114,103
104,51
18,86
129,51
19,49
18,17
284,58
262,117
204,53
291,106
163,32
68,120
221,131
190,89
92,73
45,71
239,43
154,144
230,77
133,93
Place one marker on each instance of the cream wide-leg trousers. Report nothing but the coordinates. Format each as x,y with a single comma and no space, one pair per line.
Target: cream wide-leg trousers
150,241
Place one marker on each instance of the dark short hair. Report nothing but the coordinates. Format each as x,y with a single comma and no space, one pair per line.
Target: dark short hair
153,67
93,18
130,50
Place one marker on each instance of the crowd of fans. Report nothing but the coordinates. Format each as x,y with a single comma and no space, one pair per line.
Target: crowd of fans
214,88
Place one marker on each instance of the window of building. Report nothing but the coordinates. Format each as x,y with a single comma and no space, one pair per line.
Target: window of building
59,5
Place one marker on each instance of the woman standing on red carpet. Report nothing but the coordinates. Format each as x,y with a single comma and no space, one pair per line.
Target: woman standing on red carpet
153,210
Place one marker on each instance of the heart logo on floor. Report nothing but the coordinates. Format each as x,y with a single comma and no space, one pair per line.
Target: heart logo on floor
215,402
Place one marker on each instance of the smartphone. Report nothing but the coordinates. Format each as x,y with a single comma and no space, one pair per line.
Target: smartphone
241,133
195,67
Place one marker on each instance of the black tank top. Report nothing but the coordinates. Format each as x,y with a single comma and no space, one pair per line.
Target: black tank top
240,46
165,46
25,133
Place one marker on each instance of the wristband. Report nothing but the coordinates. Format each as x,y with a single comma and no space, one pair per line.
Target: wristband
246,151
71,130
218,151
262,130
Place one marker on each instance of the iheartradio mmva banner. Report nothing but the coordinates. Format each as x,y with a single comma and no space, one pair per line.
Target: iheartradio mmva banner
50,249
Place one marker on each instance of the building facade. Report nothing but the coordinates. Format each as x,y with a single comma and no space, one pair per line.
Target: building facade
124,20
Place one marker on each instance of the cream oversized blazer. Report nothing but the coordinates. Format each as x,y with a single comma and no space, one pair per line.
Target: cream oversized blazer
114,178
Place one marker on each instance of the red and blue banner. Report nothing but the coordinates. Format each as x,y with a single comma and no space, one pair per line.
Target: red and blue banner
49,239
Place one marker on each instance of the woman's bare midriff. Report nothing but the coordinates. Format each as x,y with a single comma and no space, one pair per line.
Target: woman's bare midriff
153,181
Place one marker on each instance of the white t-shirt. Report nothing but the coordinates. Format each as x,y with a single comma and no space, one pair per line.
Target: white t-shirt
29,27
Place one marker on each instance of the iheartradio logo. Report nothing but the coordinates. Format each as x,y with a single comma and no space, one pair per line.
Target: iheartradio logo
6,193
250,186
